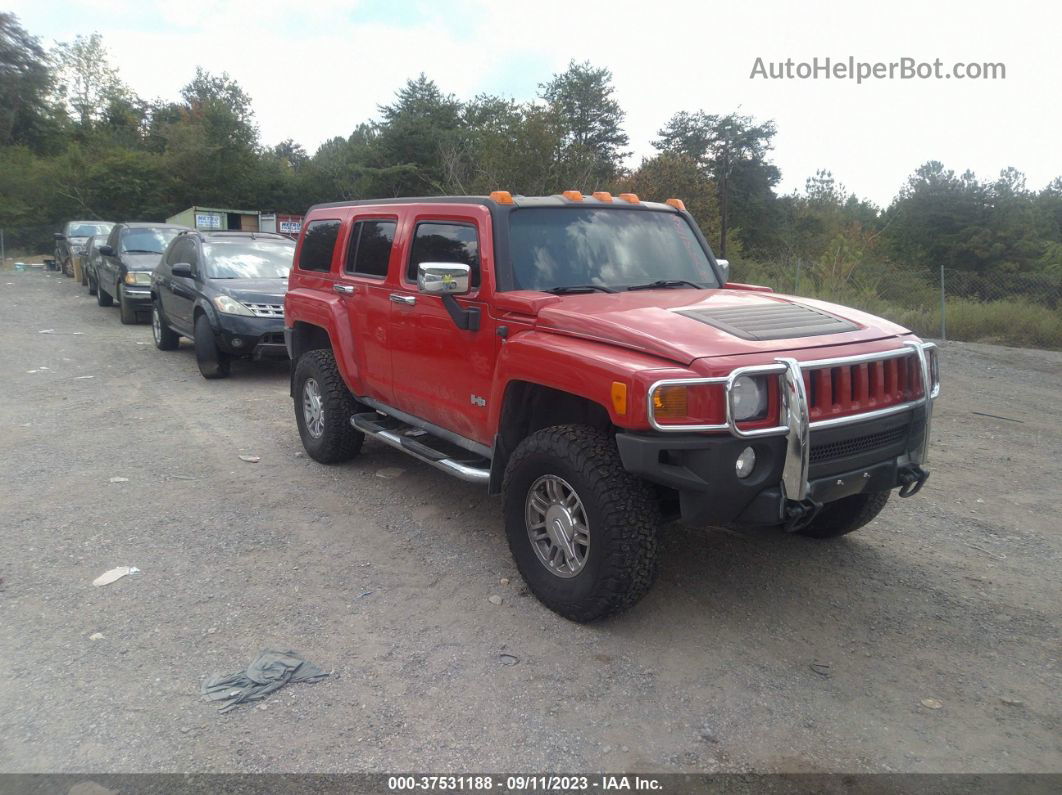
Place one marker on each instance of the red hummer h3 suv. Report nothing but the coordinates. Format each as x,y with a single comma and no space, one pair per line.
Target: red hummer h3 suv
586,358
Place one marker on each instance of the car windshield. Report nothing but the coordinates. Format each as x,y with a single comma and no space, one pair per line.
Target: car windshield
592,248
244,258
85,229
148,240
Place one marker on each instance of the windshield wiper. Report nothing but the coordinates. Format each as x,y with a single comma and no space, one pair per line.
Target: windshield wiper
579,288
661,283
139,251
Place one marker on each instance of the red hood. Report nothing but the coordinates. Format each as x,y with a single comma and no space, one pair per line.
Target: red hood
650,321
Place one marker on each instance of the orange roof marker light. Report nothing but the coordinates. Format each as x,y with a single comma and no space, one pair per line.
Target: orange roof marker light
501,197
573,195
678,204
602,195
631,198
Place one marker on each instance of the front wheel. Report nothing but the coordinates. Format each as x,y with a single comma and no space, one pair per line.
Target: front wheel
166,339
323,408
125,308
213,362
102,298
845,515
583,530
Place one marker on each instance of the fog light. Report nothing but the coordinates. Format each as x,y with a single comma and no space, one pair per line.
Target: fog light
237,342
745,463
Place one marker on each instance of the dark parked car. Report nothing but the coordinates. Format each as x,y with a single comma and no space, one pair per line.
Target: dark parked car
225,291
123,268
71,241
88,254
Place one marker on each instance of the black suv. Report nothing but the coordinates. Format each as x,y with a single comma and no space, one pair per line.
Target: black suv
224,290
124,265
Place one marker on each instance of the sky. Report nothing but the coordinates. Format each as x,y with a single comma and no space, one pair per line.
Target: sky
316,69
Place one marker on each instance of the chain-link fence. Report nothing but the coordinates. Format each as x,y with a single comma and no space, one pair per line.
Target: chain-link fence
1018,309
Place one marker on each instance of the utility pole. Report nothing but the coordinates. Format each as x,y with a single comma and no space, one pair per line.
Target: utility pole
943,308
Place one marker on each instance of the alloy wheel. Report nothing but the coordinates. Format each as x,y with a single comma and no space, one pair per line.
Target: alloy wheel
313,408
557,526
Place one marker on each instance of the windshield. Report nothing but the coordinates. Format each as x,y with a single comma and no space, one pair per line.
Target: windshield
248,259
615,248
84,229
148,240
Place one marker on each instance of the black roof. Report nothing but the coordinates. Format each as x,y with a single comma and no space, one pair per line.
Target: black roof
518,201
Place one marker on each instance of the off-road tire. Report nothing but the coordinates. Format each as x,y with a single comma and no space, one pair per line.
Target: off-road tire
166,339
213,362
845,515
126,310
103,298
338,441
621,511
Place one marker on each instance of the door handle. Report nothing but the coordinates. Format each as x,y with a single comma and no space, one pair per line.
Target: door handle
343,289
408,300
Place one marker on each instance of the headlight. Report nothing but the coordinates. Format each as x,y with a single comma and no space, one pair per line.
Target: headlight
230,306
138,277
748,398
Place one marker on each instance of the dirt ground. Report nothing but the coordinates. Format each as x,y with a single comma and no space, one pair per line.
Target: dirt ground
754,652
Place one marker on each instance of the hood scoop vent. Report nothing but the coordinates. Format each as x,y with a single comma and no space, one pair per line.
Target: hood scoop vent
774,321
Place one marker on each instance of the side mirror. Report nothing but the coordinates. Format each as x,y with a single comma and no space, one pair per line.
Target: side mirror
106,251
443,278
724,266
182,269
59,236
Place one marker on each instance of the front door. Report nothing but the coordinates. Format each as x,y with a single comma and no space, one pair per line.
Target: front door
443,374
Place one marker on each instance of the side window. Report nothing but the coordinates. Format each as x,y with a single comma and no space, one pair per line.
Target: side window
112,239
179,252
318,243
442,242
370,248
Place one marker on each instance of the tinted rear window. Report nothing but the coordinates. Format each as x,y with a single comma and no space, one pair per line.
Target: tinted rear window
318,243
370,248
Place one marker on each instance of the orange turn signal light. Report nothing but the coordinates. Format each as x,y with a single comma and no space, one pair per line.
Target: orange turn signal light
678,204
603,196
573,195
632,198
671,402
501,197
619,397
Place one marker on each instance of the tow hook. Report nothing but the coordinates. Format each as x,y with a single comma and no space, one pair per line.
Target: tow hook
799,515
912,478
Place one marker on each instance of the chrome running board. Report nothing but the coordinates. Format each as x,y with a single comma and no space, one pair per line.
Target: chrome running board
416,443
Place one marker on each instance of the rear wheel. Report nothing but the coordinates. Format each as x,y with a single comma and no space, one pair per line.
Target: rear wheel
84,277
125,308
845,515
212,361
166,339
582,529
323,408
103,298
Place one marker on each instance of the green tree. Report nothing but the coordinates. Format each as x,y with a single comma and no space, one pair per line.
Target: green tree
671,175
733,150
26,114
87,82
590,121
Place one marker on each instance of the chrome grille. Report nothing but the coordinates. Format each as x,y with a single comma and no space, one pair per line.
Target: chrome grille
266,310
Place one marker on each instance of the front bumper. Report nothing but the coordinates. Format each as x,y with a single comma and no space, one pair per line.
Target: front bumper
798,463
137,295
258,337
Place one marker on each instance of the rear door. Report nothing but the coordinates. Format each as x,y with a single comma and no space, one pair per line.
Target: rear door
443,374
365,280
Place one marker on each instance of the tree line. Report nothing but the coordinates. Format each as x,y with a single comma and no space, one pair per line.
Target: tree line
77,141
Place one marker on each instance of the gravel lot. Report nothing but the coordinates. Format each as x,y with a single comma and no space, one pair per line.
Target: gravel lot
754,652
